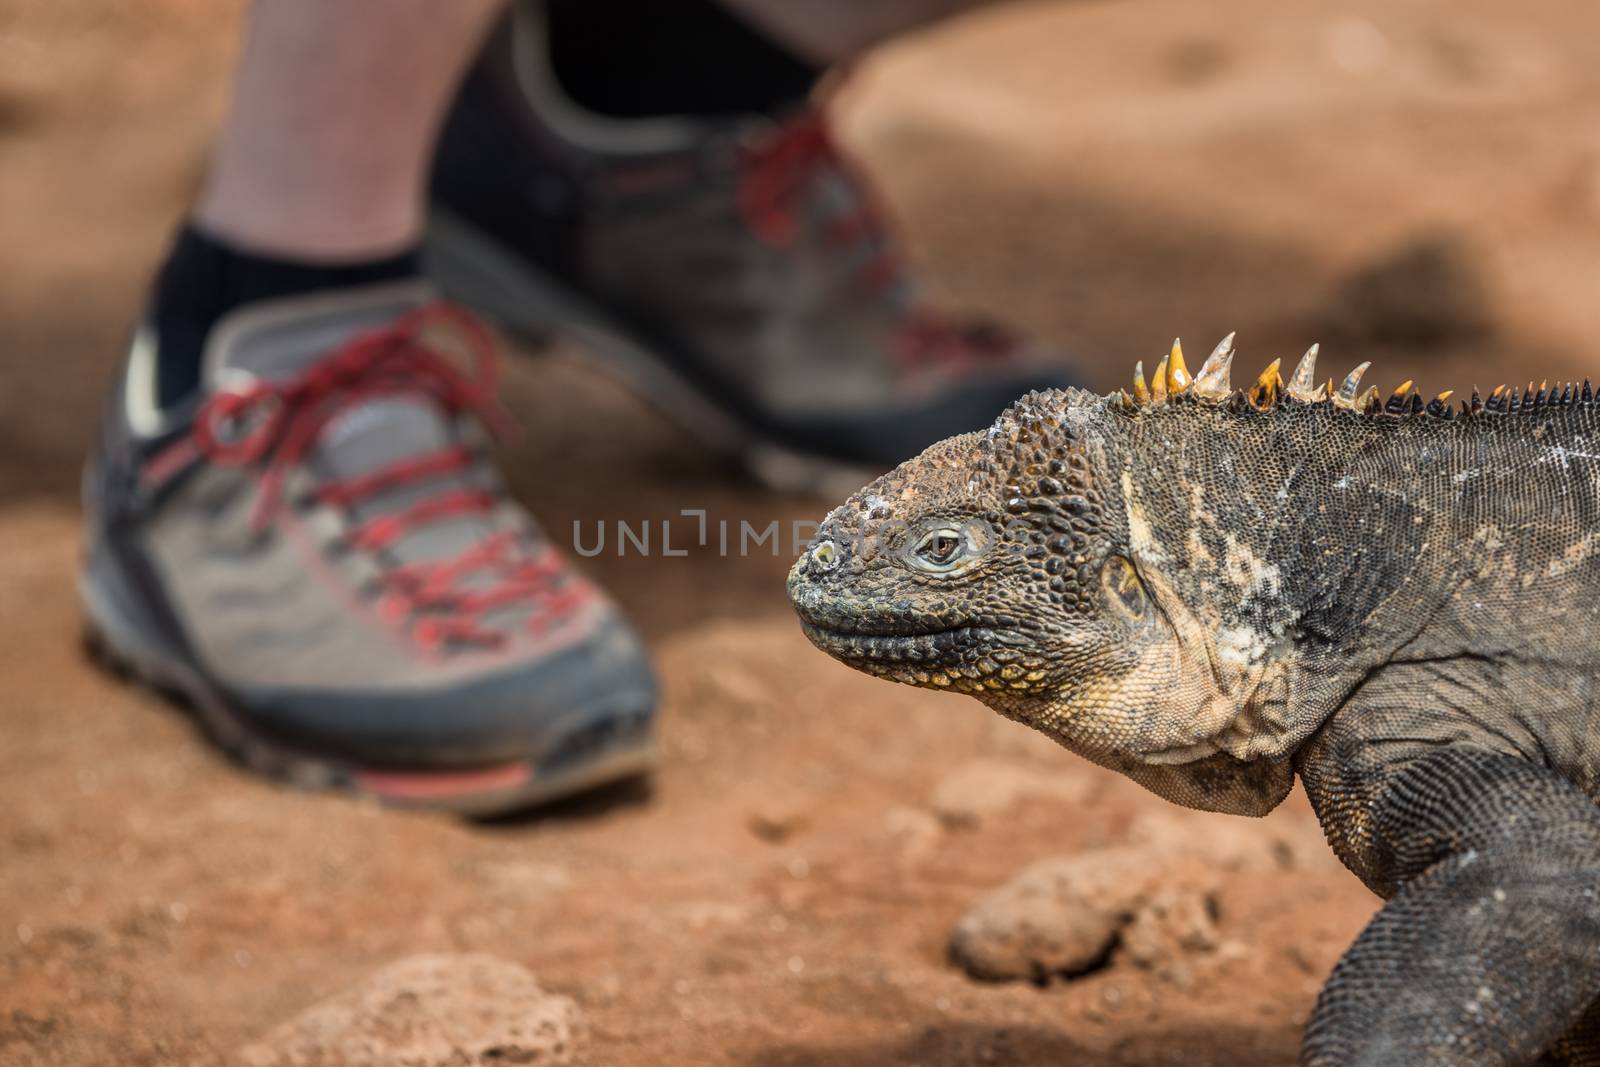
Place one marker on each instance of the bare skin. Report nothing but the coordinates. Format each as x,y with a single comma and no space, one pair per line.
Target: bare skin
336,107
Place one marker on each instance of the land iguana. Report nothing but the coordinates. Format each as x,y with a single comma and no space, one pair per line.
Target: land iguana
1213,589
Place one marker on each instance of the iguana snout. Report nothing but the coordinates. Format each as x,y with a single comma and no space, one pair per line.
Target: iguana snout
880,593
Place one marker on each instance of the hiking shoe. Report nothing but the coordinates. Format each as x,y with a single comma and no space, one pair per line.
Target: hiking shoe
735,271
317,553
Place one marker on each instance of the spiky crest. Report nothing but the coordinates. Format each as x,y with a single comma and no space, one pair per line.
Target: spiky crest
1212,386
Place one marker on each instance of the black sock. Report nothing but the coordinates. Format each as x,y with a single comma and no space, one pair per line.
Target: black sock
644,58
204,278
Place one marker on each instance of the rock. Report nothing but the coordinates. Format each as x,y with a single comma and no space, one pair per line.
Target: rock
1169,929
468,1010
1151,901
985,789
1059,916
914,832
1066,916
778,817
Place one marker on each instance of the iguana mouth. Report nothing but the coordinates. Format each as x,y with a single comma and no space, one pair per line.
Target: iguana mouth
885,644
929,648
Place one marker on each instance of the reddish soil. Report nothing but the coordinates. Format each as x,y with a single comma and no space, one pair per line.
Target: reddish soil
1406,180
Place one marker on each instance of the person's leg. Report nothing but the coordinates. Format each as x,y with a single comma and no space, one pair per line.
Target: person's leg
317,179
291,519
334,117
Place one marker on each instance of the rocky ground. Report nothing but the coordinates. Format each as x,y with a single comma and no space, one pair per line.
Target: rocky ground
824,862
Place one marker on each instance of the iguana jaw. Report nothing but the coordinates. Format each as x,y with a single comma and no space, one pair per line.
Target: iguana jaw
938,650
891,655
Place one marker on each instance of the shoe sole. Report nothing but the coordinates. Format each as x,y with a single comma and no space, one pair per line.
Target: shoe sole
472,267
119,638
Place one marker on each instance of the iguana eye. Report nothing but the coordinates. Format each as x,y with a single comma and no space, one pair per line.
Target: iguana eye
1123,587
941,549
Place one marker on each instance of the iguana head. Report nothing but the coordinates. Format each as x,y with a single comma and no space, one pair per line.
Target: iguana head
1097,568
1001,564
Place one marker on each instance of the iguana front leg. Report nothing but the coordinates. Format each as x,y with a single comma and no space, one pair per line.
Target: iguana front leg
1488,950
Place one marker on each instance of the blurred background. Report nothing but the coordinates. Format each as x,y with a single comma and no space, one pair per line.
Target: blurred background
1413,182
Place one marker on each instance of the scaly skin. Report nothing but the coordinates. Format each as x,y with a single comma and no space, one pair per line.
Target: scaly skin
1212,590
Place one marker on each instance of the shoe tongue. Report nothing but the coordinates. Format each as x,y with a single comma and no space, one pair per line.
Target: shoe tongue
275,339
282,338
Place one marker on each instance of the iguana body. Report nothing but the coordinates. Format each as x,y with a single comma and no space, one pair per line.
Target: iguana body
1213,590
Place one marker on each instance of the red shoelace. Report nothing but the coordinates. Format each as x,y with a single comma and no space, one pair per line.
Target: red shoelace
279,422
778,172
